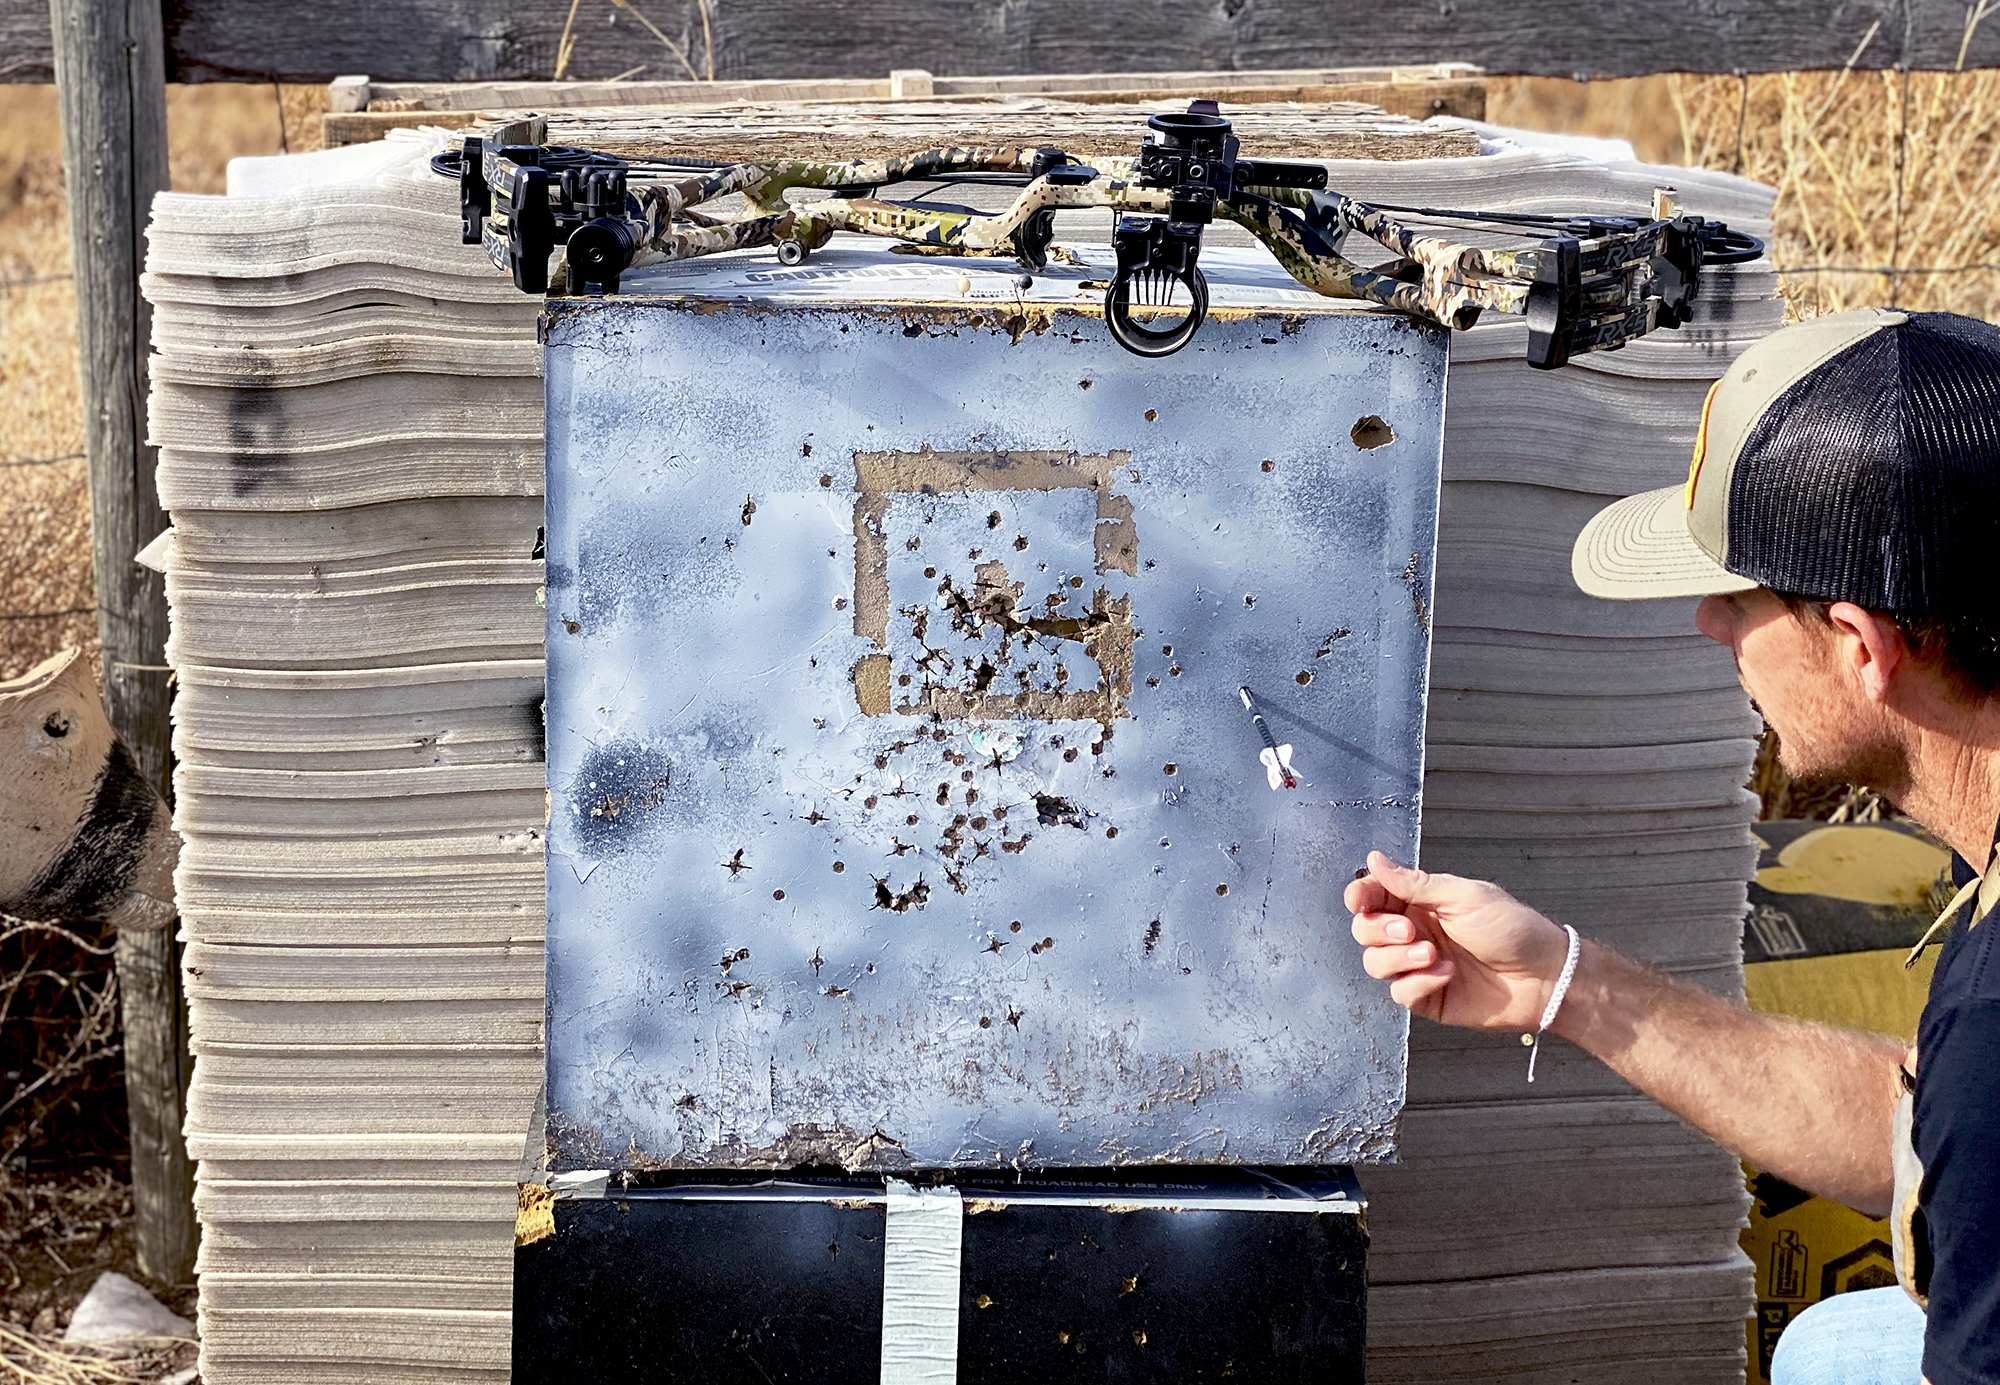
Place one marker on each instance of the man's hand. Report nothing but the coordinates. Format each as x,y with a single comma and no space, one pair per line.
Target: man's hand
1455,950
1807,1102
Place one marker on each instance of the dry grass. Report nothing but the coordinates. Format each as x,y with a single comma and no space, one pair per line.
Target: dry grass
1887,194
58,1233
60,1092
30,1359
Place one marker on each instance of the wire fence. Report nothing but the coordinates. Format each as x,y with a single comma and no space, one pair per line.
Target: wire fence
33,281
50,615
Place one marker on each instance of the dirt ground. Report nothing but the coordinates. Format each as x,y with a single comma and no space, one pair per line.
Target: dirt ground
57,1235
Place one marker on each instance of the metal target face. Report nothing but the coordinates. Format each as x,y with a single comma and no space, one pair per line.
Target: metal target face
905,806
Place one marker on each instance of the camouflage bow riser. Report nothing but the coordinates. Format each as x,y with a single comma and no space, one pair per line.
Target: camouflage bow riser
1439,280
1589,283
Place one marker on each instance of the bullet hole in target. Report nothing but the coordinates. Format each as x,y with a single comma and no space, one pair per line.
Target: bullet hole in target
1371,431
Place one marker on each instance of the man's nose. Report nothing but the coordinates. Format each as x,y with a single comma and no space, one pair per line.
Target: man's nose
1711,617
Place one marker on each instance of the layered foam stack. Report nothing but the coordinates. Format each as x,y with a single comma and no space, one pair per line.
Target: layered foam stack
1590,756
349,409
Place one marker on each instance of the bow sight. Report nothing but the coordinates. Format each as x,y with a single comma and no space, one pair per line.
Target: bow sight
1193,159
1584,283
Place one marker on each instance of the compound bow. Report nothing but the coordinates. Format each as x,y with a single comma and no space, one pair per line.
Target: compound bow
1584,283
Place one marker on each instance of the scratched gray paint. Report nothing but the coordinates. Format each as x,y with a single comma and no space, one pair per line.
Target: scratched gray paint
696,1020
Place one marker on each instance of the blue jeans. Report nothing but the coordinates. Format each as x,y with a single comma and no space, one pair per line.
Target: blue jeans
1868,1337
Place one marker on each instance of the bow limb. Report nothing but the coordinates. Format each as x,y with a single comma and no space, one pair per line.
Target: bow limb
964,232
657,206
768,195
688,241
1435,282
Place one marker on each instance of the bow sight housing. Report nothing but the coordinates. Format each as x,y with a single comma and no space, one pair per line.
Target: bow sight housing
521,201
1192,156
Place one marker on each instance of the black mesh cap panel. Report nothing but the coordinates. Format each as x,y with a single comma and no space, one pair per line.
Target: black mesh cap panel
1876,478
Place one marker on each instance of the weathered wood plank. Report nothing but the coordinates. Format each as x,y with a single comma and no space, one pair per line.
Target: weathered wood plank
486,40
1100,87
885,129
1309,117
109,68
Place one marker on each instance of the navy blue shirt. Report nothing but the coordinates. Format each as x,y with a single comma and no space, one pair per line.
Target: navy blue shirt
1956,1132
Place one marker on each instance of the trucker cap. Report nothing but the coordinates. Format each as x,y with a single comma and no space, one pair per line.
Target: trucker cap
1853,457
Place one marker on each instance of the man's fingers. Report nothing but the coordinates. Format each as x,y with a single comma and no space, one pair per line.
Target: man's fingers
1414,990
1423,887
1387,962
1404,884
1366,896
1372,930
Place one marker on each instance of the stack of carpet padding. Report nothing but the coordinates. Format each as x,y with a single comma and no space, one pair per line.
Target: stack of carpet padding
1590,756
349,408
350,416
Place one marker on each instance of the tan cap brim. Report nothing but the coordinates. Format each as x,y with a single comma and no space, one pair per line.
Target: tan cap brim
1640,547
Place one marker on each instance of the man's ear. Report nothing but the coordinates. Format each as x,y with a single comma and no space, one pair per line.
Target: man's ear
1869,645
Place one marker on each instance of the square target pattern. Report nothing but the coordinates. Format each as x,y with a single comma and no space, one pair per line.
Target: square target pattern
938,540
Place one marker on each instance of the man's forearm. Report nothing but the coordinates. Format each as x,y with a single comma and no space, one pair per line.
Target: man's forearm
1808,1102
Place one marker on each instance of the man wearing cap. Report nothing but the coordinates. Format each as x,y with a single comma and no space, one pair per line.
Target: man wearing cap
1841,523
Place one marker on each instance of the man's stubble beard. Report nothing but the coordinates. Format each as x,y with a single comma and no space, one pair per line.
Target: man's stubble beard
1875,762
1845,751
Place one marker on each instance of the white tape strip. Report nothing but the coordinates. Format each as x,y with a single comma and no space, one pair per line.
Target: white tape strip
584,1183
920,1263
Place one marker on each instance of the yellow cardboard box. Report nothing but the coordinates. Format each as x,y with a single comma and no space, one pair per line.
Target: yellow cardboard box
1825,903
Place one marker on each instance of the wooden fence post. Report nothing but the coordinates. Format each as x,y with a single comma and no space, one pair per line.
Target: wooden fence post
110,61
